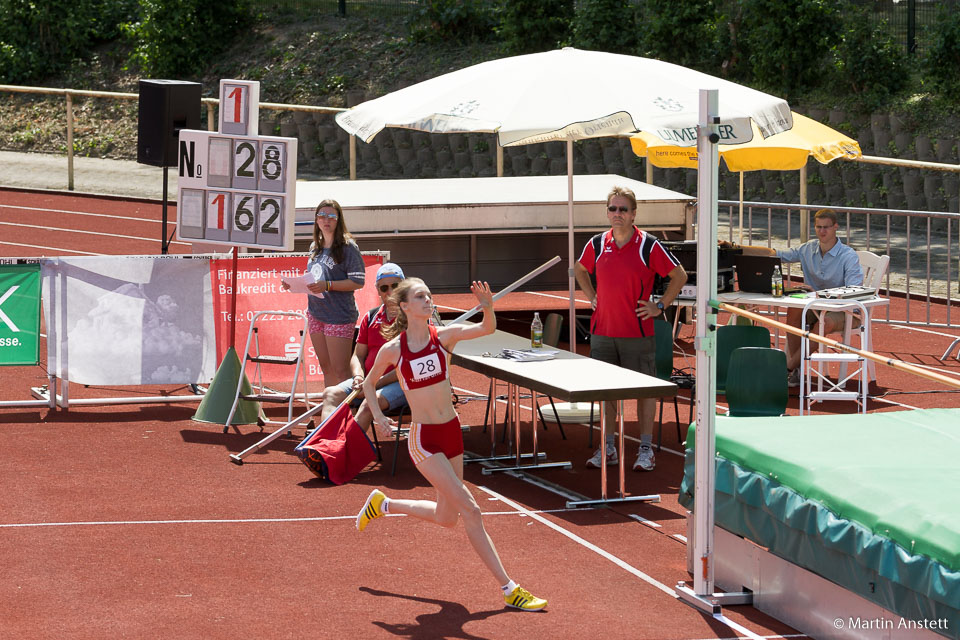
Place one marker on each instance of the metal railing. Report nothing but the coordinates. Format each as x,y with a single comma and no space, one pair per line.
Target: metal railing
780,229
210,105
889,231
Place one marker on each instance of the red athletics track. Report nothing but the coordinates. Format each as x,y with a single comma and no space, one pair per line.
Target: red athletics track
129,521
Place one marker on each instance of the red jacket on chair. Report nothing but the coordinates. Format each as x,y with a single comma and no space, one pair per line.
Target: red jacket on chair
338,449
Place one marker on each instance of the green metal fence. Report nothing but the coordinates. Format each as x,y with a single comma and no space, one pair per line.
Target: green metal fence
909,20
341,7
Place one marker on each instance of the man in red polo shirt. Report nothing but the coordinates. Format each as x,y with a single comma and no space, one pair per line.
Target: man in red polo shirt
624,261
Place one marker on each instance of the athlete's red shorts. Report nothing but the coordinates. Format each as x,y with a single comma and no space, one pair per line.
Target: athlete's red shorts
428,439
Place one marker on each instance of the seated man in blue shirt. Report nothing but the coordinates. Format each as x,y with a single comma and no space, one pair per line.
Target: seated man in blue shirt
826,263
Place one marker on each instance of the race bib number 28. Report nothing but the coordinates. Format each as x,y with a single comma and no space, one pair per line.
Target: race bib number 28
425,367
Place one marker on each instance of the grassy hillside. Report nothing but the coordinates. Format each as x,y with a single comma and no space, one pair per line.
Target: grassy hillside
315,60
319,60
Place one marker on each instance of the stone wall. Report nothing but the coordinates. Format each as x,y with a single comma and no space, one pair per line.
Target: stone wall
401,153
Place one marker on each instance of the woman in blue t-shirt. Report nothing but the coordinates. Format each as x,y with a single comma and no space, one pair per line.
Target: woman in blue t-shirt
337,265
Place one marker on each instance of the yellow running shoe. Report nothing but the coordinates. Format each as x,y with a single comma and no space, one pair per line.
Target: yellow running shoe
522,599
371,509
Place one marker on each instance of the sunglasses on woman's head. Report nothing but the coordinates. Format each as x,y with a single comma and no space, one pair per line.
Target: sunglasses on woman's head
388,287
613,209
329,216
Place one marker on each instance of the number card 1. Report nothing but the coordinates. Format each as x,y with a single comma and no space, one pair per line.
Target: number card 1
239,107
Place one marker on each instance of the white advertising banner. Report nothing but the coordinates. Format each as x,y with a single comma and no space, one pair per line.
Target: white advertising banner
130,320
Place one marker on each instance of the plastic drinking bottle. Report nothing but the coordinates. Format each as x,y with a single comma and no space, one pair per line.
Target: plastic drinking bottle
536,331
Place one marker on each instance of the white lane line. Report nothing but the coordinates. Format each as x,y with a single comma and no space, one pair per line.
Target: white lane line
617,561
83,213
588,545
893,402
642,520
936,333
92,233
525,407
679,537
739,628
773,637
551,295
476,393
105,523
57,249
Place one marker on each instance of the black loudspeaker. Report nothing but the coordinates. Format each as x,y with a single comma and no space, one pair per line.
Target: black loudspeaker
166,106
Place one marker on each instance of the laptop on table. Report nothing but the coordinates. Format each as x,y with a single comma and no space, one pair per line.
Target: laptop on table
755,272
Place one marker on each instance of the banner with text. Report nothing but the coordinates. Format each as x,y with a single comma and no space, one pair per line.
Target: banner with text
19,314
258,289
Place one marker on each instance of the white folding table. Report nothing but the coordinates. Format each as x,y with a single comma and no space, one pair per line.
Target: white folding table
570,377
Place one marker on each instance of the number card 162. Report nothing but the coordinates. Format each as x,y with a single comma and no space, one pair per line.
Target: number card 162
236,189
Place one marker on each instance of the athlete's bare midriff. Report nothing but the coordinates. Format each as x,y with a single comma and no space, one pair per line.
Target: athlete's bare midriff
431,405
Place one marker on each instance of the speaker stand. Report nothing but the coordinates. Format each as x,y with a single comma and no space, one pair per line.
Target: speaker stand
163,229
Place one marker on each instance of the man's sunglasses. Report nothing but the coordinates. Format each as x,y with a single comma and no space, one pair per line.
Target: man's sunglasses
329,216
613,209
388,287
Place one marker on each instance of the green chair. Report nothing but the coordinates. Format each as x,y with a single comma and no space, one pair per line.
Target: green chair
757,382
665,371
732,337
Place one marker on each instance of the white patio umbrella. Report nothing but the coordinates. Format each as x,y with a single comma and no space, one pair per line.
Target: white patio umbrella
570,94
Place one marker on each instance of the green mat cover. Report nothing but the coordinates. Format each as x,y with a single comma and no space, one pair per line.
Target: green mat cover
868,502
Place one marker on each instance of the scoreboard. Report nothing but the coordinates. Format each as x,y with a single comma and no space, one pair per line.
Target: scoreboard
234,186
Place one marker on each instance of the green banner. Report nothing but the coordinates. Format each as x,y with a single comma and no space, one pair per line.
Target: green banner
19,314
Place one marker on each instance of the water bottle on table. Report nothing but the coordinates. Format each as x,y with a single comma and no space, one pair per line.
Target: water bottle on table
536,331
776,282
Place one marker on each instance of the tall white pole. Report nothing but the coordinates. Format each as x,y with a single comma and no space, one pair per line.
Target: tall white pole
708,160
571,280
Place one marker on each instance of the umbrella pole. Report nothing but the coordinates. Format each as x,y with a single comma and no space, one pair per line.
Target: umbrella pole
804,213
740,240
572,281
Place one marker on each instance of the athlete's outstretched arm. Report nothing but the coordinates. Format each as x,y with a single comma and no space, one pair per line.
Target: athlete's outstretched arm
455,333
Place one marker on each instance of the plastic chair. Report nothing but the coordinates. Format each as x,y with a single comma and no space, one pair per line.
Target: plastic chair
551,329
731,337
874,269
757,382
663,331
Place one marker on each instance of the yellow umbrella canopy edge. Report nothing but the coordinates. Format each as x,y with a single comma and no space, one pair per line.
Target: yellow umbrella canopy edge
784,151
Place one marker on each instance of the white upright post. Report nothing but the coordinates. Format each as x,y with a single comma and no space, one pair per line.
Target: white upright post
702,595
570,256
706,342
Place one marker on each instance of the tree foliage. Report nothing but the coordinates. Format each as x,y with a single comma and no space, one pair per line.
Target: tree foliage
941,59
40,38
529,26
605,25
179,37
868,60
453,21
683,33
787,43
